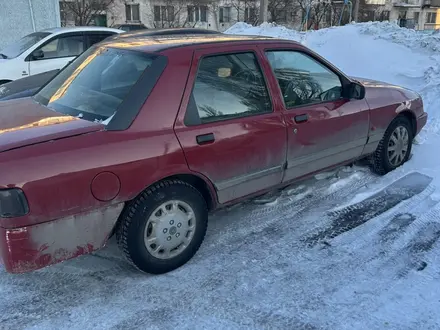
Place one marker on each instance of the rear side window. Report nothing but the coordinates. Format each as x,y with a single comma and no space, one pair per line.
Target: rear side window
228,86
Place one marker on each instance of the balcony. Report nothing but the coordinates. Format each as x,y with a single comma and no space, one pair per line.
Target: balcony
408,3
375,2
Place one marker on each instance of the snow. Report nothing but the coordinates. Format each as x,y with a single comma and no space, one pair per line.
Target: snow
260,266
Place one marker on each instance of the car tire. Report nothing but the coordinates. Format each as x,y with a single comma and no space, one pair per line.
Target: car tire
170,213
384,159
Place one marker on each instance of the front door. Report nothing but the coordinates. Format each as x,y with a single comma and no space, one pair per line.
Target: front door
324,128
228,128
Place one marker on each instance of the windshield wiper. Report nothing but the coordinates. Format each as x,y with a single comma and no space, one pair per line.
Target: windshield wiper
3,56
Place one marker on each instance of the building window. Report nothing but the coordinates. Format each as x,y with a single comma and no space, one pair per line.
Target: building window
132,13
225,14
431,17
197,14
250,15
384,15
416,17
164,13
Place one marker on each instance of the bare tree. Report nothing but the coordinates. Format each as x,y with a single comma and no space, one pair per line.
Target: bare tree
83,12
245,10
317,12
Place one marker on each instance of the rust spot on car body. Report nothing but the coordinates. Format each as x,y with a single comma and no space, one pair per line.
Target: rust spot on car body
34,247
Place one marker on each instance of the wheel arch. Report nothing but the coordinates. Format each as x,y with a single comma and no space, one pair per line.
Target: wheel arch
202,184
408,114
4,81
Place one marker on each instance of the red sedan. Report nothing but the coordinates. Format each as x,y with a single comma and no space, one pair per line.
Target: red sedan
142,137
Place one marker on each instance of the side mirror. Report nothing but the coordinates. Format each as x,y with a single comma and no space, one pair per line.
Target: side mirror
357,90
38,54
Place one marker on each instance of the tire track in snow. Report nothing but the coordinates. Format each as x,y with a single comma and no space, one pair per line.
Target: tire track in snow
375,206
261,219
417,251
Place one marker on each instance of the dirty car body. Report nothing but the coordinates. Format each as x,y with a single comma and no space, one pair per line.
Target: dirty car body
140,133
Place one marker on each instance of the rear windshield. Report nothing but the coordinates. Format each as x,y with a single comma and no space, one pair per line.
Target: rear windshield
95,84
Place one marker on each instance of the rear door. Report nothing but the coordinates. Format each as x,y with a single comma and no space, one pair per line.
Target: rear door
227,125
324,128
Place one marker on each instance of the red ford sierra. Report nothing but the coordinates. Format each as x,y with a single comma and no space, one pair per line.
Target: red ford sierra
142,137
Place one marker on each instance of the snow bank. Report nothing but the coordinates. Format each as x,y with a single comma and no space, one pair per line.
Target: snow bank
378,50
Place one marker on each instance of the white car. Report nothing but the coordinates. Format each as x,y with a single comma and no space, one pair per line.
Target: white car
48,50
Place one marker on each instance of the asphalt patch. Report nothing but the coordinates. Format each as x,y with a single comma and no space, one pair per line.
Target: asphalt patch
357,214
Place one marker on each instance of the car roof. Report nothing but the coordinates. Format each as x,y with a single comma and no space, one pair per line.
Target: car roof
164,42
58,30
163,32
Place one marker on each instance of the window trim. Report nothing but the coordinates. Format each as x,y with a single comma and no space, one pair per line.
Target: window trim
189,114
58,36
345,82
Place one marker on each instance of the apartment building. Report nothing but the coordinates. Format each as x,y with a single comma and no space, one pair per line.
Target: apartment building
417,14
217,15
221,14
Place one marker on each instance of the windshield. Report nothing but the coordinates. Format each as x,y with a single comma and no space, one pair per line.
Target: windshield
18,47
95,84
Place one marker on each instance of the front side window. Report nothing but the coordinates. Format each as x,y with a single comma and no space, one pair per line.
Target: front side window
95,84
229,86
302,79
19,47
68,46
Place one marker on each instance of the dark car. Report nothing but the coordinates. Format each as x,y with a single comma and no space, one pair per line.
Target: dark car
28,86
143,137
168,31
130,27
25,87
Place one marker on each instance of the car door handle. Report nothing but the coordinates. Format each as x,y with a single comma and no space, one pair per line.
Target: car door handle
205,138
301,118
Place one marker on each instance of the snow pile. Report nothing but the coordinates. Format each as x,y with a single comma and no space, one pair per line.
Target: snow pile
379,50
265,29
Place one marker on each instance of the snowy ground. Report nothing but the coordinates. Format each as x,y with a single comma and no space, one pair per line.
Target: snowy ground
345,250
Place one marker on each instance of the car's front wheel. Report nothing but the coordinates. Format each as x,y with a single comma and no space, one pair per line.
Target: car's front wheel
164,227
395,147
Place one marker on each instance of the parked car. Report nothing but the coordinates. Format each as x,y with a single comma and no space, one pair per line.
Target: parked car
105,148
167,31
130,27
28,86
25,87
48,50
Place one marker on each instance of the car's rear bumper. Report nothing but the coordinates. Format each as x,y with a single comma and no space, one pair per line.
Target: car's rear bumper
421,122
29,248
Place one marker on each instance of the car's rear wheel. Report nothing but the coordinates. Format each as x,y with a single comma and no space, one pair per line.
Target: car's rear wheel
164,227
395,147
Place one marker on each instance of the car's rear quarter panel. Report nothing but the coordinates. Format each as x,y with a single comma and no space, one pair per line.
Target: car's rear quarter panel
56,177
